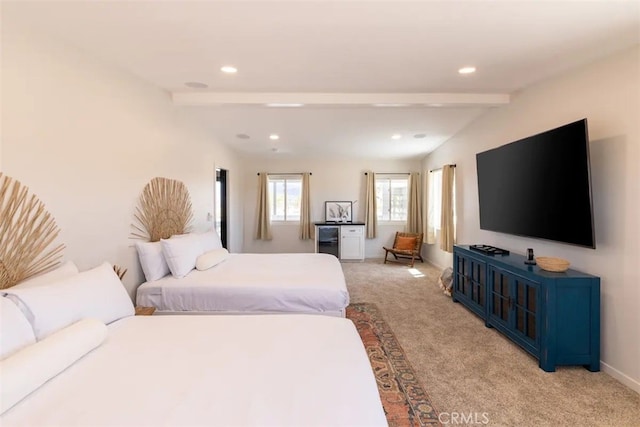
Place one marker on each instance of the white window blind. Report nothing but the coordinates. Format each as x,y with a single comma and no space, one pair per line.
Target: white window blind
285,194
435,198
392,192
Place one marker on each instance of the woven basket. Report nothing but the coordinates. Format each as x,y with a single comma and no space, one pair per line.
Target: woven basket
557,265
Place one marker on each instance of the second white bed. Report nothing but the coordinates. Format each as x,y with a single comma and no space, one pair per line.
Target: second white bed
216,371
254,283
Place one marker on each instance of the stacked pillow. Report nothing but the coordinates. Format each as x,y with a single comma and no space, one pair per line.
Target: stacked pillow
96,293
152,261
49,322
16,332
177,255
181,253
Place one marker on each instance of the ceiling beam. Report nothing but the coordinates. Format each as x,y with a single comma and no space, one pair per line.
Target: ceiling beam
340,99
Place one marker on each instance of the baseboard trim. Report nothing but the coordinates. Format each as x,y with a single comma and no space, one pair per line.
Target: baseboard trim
623,378
429,261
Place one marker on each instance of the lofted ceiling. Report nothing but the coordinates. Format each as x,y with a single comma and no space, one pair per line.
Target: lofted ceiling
339,58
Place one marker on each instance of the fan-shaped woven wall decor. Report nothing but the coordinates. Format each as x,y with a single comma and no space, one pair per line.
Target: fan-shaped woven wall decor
120,271
26,230
165,210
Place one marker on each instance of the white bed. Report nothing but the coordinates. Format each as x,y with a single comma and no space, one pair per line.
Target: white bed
278,370
73,354
254,283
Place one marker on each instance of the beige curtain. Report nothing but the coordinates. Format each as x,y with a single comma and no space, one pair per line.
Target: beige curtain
306,226
370,209
263,227
414,214
447,226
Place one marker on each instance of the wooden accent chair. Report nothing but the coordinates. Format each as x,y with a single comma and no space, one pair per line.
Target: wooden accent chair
405,245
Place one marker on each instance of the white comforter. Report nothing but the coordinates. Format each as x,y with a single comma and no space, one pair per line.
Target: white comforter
302,283
278,370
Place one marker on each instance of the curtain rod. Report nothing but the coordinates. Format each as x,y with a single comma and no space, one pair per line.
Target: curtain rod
437,169
390,173
288,173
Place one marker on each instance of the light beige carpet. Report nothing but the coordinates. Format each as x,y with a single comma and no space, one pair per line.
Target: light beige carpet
473,371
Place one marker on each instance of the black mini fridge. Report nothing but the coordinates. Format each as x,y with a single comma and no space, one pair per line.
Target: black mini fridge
328,236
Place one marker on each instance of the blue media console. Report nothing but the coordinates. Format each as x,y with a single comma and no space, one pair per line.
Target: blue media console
553,316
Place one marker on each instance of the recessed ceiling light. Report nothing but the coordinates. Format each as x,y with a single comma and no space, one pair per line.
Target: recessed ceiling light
274,137
420,135
229,69
467,70
284,105
242,136
396,136
435,105
196,85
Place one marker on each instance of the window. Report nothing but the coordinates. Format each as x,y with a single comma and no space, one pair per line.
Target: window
285,194
435,198
392,192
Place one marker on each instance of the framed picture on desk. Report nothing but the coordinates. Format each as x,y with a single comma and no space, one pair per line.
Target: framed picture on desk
338,211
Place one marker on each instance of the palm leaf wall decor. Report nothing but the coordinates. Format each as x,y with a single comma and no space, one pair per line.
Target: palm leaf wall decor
27,229
120,271
164,210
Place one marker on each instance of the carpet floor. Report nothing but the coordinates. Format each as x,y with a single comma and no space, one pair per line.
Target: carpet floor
405,402
473,374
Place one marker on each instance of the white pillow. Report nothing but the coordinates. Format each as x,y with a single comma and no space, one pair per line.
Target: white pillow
96,293
181,253
28,369
67,269
152,261
211,258
210,241
15,330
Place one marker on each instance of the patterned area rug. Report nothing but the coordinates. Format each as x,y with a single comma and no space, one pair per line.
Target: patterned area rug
405,402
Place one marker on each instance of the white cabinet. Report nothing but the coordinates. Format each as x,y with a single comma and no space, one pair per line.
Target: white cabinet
345,241
352,242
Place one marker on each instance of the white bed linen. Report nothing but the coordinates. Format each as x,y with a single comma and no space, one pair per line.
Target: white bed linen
278,370
301,283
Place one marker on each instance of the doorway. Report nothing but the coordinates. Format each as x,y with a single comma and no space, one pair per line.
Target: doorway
221,222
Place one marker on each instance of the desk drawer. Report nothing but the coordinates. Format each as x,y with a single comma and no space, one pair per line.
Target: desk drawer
347,230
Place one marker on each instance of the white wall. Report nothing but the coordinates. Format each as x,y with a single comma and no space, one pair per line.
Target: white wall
86,138
607,93
332,179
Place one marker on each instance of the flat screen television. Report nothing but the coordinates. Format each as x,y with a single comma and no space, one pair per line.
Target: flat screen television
539,186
